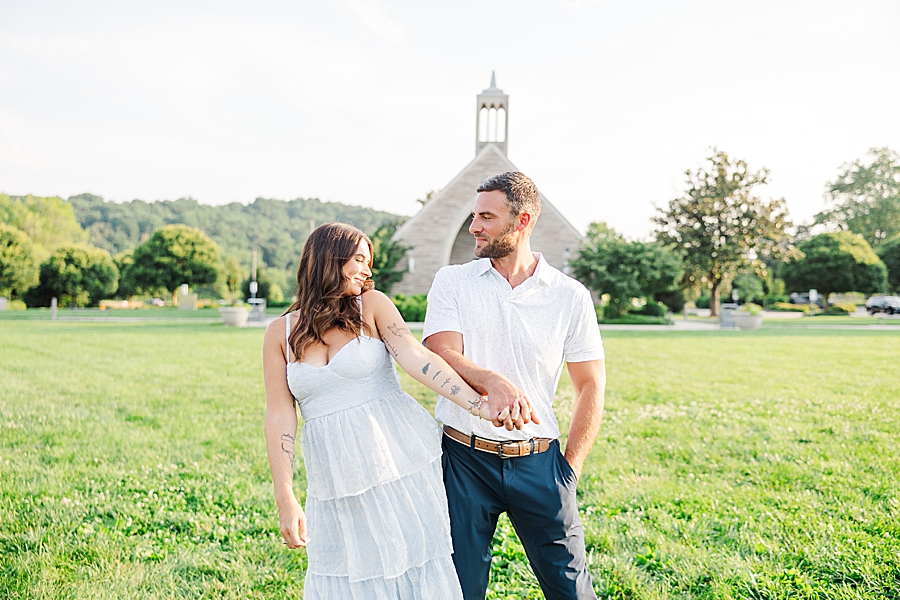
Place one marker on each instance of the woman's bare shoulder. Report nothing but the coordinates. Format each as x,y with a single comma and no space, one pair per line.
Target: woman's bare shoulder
275,331
374,295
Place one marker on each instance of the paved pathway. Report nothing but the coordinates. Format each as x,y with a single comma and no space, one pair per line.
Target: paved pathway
677,324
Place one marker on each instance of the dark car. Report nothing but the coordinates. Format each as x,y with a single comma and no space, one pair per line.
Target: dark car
887,304
804,299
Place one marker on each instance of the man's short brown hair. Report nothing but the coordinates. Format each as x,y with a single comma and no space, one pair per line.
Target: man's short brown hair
521,193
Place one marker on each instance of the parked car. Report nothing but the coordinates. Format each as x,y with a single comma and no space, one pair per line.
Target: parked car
157,302
804,299
887,304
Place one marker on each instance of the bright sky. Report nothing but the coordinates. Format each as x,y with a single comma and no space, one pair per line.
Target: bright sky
372,102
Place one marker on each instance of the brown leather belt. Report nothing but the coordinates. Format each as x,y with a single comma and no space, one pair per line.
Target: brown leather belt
510,449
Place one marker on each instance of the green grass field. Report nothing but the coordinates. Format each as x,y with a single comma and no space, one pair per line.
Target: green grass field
730,465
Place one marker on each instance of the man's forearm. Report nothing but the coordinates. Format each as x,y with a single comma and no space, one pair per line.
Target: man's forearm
587,415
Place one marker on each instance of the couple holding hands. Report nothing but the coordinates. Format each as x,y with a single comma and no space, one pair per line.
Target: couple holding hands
396,507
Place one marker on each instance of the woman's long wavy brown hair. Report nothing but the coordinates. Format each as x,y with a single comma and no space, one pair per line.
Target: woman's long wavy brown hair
322,301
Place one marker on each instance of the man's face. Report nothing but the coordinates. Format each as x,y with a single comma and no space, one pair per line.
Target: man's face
493,226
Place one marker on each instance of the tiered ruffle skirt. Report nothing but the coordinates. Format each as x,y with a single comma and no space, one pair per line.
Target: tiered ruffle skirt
376,508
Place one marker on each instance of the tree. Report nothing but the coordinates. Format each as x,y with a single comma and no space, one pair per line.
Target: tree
18,270
266,286
233,274
609,264
387,253
834,263
79,275
720,225
174,255
865,197
48,222
889,253
127,286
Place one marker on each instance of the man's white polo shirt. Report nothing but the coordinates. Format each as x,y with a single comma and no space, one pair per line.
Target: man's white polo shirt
524,333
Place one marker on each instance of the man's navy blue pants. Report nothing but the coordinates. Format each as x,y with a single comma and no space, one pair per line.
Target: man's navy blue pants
538,494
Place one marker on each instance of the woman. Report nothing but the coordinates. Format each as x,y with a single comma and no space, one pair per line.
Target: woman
377,524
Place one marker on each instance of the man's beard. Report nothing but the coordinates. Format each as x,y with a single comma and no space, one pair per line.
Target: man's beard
502,245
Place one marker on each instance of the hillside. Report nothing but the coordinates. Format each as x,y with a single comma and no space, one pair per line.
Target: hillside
277,227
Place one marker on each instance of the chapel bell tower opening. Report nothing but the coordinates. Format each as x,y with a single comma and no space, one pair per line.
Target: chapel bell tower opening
492,117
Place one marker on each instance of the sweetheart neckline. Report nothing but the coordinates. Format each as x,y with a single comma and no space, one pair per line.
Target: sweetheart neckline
328,364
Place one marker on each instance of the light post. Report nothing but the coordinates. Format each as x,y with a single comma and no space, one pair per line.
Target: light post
253,285
257,305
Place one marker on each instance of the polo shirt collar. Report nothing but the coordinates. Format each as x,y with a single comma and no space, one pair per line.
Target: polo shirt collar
542,272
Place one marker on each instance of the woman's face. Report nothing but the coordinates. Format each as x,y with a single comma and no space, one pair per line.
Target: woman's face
356,270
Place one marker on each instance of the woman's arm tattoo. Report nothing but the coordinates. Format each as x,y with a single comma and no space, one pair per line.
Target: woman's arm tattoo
287,446
399,330
391,348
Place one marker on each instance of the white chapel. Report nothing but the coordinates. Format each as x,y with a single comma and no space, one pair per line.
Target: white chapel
438,235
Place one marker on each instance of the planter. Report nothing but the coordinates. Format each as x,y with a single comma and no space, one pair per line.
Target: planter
744,320
236,316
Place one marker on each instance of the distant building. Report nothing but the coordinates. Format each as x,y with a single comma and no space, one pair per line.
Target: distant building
439,234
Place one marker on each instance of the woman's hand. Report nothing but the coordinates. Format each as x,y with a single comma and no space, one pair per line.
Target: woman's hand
481,408
292,522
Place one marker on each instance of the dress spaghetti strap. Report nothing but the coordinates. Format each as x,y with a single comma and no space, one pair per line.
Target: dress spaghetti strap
287,336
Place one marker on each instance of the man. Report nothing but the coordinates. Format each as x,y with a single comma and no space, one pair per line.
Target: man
506,323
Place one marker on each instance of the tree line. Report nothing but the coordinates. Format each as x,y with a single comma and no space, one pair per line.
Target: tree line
720,233
85,249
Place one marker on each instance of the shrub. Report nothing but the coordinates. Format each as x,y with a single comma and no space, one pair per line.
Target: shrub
750,307
788,307
673,299
777,298
15,305
281,304
702,301
841,309
633,319
651,309
412,308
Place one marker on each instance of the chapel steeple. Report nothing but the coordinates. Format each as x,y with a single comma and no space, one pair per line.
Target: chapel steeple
491,117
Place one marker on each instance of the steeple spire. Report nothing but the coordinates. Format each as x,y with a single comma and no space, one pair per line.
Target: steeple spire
491,117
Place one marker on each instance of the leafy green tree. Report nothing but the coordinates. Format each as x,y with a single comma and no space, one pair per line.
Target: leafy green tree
232,274
174,255
749,286
835,263
721,226
78,275
609,264
865,197
127,287
387,253
889,252
18,270
48,222
267,286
